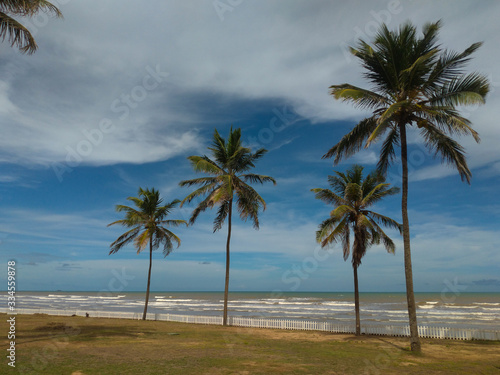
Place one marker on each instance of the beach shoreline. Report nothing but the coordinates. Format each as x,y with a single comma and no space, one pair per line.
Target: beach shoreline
467,310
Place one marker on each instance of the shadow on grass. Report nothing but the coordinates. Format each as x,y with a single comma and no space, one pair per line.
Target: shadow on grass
402,347
81,332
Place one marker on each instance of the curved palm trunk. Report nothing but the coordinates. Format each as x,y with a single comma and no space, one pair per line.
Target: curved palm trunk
412,312
149,277
226,288
356,300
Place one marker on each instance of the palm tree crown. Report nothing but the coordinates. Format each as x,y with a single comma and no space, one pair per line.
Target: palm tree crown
18,35
148,223
415,82
228,179
352,197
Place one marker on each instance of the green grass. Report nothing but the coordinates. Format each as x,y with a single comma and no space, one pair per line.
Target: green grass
77,345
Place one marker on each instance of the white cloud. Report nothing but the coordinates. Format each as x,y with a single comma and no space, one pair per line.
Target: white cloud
260,50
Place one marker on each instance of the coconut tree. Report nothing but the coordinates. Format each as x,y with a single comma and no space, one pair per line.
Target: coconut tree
148,225
227,185
10,28
352,196
415,84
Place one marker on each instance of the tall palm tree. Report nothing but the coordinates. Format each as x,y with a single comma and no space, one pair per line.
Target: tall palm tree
17,34
148,226
415,83
226,184
352,196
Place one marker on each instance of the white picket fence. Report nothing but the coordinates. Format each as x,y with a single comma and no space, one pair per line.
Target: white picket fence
303,325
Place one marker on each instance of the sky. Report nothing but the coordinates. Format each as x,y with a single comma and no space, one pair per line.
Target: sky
120,93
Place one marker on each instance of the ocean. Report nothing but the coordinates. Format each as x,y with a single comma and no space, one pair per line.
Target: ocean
465,310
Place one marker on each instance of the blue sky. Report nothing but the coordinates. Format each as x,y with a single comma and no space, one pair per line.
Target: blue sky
121,92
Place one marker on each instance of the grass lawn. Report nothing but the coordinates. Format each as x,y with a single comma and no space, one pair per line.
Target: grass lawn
77,345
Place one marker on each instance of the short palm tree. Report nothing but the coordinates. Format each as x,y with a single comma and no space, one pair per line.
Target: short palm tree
226,184
352,196
17,34
148,226
415,83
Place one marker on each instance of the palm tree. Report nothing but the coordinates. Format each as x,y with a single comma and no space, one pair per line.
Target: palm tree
148,226
352,197
227,184
416,83
17,34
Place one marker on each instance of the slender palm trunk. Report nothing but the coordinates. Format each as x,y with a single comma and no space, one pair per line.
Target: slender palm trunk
412,312
226,288
149,277
356,300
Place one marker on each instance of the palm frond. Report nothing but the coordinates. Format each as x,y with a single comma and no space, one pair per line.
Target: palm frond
222,213
165,237
173,223
353,141
199,181
384,121
387,153
253,178
18,35
328,196
142,240
124,239
29,8
449,66
341,211
384,220
464,90
450,151
387,241
208,202
331,231
249,203
338,183
206,189
362,98
377,193
205,165
447,119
